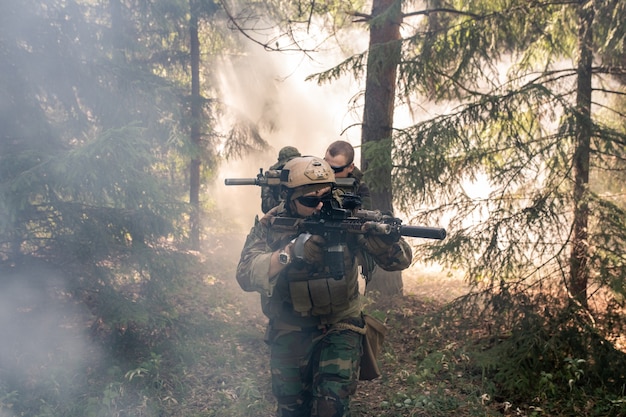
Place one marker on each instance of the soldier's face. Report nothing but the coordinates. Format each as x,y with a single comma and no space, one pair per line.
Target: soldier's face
310,203
339,164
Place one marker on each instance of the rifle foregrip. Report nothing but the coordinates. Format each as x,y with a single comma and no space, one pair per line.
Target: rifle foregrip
424,232
240,181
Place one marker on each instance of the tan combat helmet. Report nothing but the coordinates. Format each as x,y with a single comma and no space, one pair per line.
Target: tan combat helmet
306,174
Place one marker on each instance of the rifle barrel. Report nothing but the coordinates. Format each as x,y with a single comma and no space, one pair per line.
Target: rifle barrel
240,181
422,231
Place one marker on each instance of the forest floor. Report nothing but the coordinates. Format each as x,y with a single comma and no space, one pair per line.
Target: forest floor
198,350
214,362
426,369
417,355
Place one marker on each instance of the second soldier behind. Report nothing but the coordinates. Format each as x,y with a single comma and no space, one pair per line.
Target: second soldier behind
270,196
340,157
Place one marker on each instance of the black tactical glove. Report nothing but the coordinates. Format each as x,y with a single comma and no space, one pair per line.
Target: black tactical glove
380,244
309,248
395,256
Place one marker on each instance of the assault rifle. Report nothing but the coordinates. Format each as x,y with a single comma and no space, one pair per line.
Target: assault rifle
272,193
271,178
334,223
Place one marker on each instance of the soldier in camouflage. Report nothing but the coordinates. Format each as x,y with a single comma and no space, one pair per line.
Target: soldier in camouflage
270,196
316,325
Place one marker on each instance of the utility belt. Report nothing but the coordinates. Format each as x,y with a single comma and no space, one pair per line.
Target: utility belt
277,328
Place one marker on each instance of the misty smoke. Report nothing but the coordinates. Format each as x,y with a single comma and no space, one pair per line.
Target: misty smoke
271,89
44,347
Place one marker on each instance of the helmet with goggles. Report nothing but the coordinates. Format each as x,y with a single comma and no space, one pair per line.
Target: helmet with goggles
306,174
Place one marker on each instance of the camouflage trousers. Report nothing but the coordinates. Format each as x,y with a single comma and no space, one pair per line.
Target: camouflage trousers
315,372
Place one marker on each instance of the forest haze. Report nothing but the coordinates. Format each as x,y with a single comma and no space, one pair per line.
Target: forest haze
120,119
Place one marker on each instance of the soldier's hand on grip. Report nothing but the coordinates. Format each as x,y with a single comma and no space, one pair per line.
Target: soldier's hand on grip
309,248
396,255
379,244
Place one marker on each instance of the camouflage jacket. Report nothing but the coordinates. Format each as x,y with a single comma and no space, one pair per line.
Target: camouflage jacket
362,190
304,295
271,195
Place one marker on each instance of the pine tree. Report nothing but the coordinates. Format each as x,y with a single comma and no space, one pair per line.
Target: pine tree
532,116
522,100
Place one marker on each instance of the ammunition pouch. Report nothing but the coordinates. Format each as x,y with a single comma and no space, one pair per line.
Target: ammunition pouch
319,297
375,332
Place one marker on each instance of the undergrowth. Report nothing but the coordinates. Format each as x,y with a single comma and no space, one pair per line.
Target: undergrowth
199,352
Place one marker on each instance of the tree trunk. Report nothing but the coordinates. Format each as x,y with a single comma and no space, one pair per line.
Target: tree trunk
380,90
117,31
579,257
194,167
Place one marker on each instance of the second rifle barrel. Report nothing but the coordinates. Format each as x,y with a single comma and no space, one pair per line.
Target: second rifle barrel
240,181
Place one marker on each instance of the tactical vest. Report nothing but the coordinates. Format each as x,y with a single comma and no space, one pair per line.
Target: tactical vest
307,295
